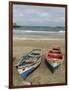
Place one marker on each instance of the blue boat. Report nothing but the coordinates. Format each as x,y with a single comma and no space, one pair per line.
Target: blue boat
29,62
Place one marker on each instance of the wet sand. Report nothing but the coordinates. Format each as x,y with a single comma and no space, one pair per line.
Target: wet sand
42,75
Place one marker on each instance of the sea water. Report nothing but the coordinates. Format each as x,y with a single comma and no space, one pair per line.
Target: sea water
38,32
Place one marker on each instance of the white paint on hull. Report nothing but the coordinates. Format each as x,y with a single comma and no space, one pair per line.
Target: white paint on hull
55,64
20,70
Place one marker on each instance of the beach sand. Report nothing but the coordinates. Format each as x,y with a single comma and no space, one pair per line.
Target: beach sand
42,75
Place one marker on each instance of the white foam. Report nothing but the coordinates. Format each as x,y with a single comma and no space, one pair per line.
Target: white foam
15,38
61,31
34,31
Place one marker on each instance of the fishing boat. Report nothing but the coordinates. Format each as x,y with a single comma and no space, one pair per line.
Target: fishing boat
54,58
29,62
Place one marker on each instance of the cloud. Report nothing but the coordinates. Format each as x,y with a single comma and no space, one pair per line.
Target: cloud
38,15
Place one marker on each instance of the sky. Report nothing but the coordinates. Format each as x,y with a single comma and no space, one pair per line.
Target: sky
27,15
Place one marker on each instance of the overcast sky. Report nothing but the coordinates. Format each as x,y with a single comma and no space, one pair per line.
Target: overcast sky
38,15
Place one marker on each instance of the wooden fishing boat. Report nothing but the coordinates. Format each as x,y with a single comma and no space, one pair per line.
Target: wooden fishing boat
29,62
54,58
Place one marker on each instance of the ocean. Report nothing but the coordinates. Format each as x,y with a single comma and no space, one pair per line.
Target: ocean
38,32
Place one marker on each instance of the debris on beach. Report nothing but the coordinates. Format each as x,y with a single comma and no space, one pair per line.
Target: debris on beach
26,83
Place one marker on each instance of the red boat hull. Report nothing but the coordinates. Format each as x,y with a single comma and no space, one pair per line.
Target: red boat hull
53,59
